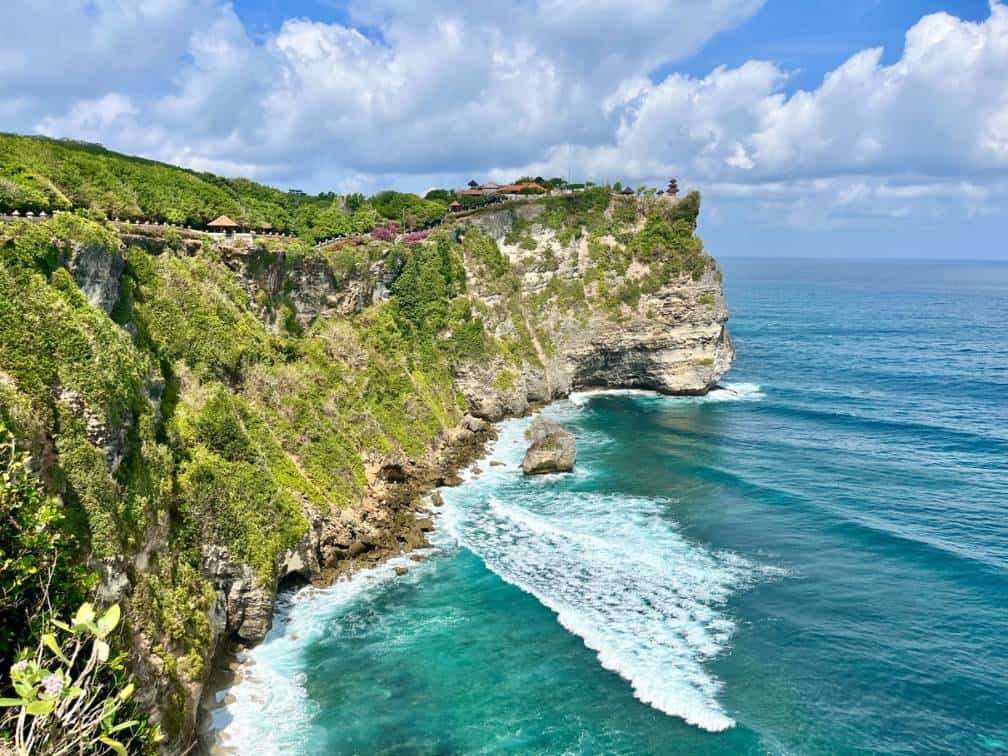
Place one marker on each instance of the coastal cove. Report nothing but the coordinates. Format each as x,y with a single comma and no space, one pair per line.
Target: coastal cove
809,561
531,564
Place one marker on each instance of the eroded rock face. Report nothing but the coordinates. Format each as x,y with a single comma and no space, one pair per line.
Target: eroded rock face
673,340
244,606
552,450
97,271
308,284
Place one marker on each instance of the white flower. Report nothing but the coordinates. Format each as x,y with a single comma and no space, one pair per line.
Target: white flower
19,667
52,685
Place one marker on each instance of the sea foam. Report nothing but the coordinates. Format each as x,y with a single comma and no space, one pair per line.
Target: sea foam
728,392
271,711
616,571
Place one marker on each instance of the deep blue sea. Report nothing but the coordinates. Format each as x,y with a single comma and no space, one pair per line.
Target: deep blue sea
813,560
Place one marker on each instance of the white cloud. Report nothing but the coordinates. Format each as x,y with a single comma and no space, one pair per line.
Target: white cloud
931,124
89,119
78,49
422,92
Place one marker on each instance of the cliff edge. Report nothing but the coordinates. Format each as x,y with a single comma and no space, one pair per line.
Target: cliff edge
618,295
221,416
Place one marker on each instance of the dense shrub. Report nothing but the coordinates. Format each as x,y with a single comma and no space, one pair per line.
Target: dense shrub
40,568
40,174
410,208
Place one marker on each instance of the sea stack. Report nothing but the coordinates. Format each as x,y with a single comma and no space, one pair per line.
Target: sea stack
552,449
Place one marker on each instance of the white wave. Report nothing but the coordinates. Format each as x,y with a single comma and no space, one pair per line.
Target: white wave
732,392
271,711
581,398
728,392
617,573
615,570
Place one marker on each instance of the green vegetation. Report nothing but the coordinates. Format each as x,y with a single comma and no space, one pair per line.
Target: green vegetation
572,215
656,236
38,568
70,694
199,414
505,380
39,174
409,208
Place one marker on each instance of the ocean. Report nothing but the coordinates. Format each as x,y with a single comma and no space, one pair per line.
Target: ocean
811,560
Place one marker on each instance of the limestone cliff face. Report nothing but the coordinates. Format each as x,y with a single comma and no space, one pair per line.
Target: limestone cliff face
562,308
673,340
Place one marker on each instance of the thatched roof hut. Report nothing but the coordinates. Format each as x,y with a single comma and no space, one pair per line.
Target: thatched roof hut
222,222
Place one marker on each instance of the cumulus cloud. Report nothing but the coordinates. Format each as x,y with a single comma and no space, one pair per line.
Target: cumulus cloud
90,118
420,93
81,49
931,124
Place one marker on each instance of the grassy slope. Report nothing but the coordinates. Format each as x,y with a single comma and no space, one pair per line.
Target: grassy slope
41,174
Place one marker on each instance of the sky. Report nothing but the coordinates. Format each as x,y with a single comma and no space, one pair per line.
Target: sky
811,127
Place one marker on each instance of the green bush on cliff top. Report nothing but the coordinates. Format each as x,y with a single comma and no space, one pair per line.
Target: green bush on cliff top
41,174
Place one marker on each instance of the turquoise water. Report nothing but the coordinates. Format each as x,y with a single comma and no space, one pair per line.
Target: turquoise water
814,561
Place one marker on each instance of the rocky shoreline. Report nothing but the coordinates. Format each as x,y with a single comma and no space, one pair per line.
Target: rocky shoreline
408,499
400,502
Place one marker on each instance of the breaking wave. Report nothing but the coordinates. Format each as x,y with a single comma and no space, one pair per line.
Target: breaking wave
616,571
729,392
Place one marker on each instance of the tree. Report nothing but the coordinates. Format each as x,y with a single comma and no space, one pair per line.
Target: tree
332,221
687,209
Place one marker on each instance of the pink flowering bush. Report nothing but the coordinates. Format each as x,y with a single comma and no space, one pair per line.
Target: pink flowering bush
416,237
383,233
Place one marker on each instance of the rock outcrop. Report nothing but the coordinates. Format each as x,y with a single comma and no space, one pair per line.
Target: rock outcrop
97,272
672,340
552,448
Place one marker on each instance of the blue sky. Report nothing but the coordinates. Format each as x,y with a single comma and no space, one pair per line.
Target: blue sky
867,127
812,37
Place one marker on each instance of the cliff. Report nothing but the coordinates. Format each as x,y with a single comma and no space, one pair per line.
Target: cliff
594,307
220,418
